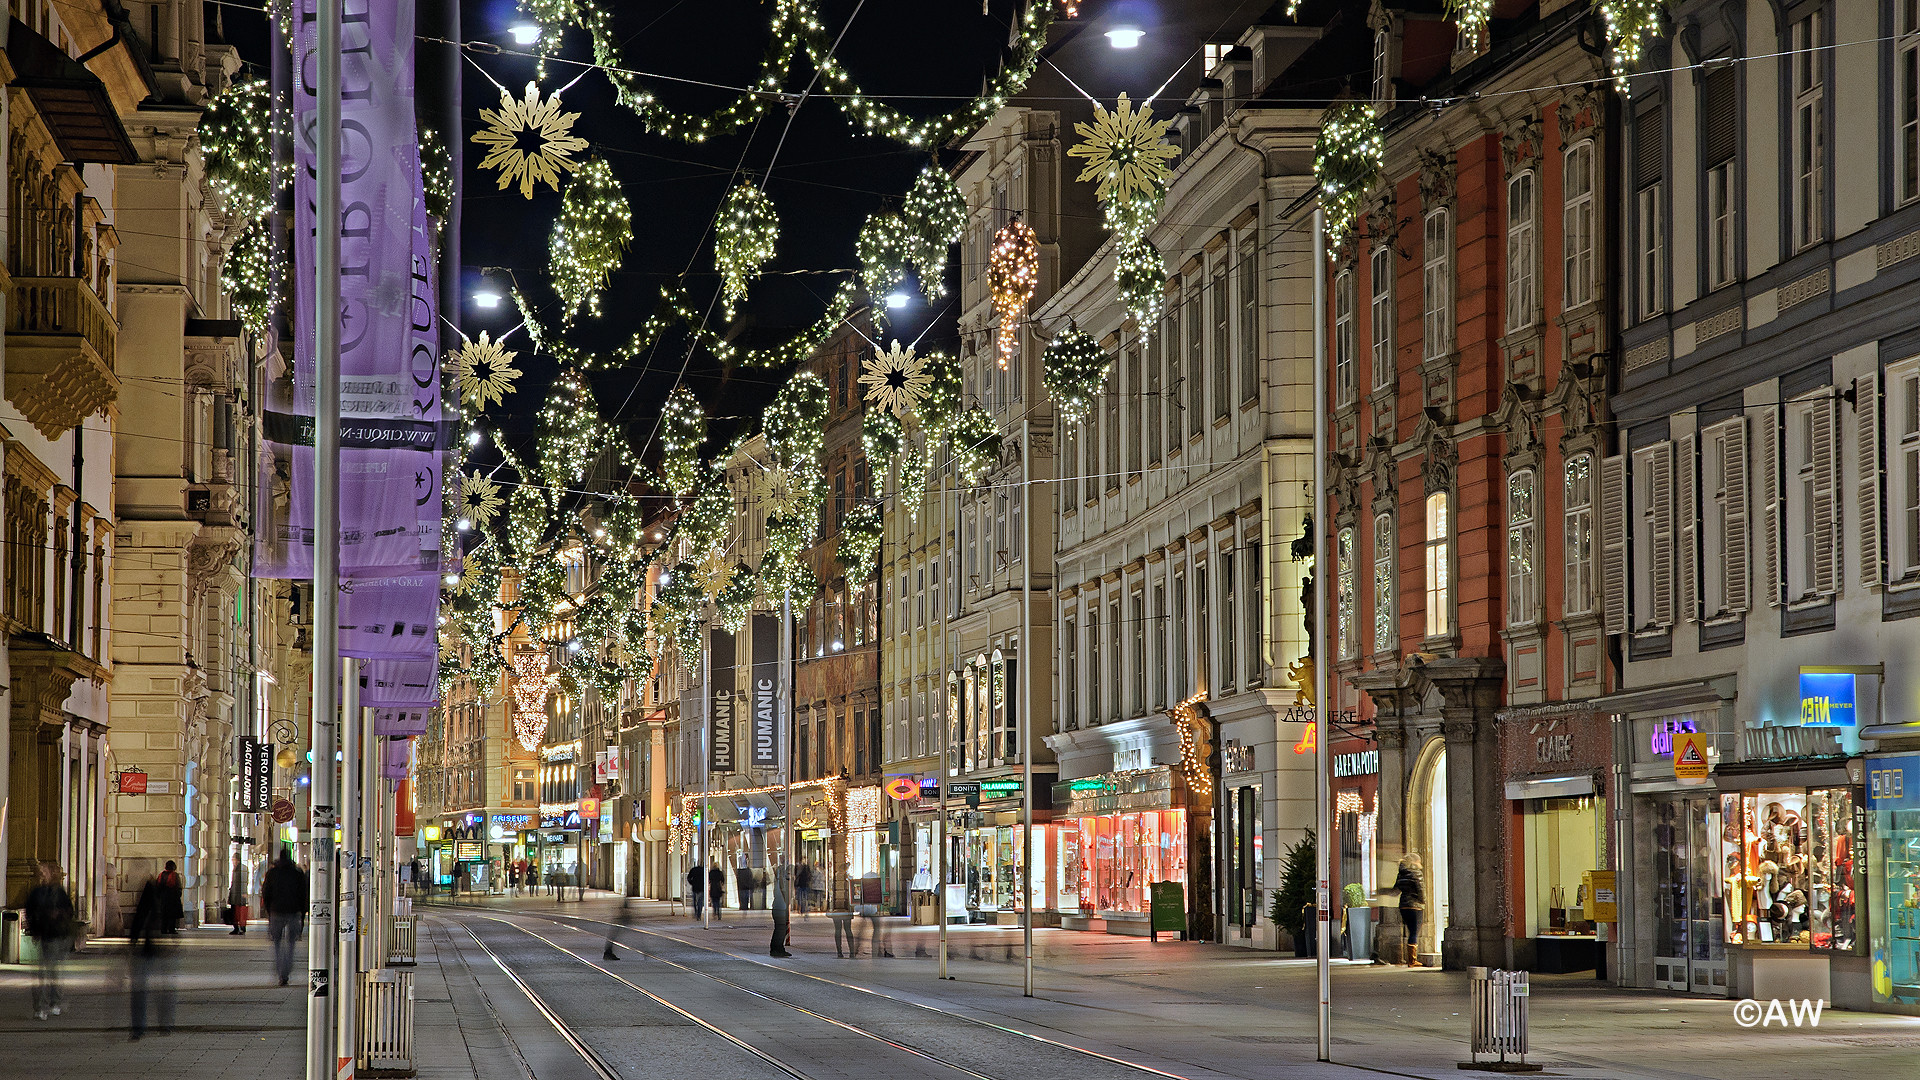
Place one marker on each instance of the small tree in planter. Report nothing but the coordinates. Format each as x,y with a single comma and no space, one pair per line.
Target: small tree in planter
1295,895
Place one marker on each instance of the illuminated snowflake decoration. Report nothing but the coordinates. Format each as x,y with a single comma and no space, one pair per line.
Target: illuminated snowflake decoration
473,569
1126,151
479,498
531,682
895,380
716,569
530,141
1013,267
484,371
777,494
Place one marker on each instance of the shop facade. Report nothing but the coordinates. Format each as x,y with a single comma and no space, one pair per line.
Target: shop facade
1557,762
1891,813
1356,851
1120,833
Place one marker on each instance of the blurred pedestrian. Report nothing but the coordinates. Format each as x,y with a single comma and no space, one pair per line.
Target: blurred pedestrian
870,895
803,887
782,925
743,886
238,911
697,889
717,888
50,923
1413,902
156,922
285,896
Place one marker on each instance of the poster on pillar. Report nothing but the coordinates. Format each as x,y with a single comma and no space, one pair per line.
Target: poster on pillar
767,705
722,756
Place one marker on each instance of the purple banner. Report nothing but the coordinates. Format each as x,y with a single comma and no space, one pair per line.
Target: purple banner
400,723
399,684
399,755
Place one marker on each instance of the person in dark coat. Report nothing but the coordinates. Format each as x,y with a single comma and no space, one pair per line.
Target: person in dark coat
803,887
156,922
50,923
717,888
286,895
1413,903
743,884
697,889
782,925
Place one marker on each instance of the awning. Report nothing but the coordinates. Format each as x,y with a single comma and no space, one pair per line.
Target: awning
72,101
1552,787
1668,697
1778,775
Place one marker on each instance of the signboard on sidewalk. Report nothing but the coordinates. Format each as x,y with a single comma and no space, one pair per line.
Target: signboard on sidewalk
1169,915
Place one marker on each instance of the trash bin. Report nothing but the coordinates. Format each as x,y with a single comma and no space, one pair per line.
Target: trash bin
10,938
1499,1019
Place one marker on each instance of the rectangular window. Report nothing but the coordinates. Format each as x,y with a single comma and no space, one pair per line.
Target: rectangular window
1159,649
1090,460
1720,225
1577,523
1652,509
1381,305
1522,565
1222,344
1344,602
1113,650
1250,343
1070,671
1436,286
1157,349
1175,386
1229,607
1649,271
1094,687
1069,468
1812,506
1386,636
1719,126
1195,397
1523,298
1202,627
1137,663
1343,378
1903,462
1114,436
1131,432
523,788
1016,527
1439,592
1906,116
1807,64
1253,608
1177,628
1577,214
1723,487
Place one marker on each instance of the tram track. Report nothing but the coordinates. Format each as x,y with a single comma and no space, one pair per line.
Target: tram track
919,1053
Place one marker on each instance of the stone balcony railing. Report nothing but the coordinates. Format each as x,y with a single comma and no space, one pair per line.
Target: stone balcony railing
60,352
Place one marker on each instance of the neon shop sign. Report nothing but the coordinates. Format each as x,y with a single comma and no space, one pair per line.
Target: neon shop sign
1665,729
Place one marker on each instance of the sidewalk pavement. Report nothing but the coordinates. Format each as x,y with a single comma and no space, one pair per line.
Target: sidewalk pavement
1198,1009
233,1021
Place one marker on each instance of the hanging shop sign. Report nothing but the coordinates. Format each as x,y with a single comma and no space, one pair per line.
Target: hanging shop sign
930,787
765,749
1887,787
903,788
1826,698
589,808
1690,763
256,776
721,759
1361,763
283,813
562,819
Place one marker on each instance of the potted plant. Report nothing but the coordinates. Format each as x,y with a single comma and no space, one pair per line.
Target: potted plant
1359,922
1292,908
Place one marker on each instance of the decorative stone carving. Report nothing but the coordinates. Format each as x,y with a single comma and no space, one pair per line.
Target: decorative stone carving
1520,142
1579,113
1437,178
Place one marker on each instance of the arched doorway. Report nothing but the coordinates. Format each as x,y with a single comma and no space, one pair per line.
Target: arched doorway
1427,837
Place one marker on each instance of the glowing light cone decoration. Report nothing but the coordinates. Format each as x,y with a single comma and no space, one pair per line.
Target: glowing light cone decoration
530,683
1013,267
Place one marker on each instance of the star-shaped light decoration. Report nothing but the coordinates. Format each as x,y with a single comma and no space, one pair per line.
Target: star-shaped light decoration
479,498
715,569
896,380
1125,150
777,495
484,370
530,141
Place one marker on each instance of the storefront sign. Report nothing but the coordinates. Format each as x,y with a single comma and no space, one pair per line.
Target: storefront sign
999,789
1553,749
902,788
720,748
965,789
431,833
930,787
256,776
589,808
1826,698
1660,743
514,821
132,782
1887,783
1690,758
1363,763
1142,789
566,819
766,713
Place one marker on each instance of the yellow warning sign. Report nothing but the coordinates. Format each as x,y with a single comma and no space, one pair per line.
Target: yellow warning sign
1690,757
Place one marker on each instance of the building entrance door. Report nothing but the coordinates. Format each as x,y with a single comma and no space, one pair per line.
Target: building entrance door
1690,943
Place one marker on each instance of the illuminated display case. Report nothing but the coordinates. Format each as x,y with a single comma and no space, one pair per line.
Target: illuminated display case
1893,871
1790,861
1121,855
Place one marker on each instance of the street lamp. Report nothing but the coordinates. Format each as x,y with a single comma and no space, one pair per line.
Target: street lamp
524,32
486,298
1125,37
897,299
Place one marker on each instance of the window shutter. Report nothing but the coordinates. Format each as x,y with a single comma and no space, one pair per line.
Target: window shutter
1649,149
1768,436
1826,498
1660,490
1719,116
1733,475
1613,544
1689,512
1866,492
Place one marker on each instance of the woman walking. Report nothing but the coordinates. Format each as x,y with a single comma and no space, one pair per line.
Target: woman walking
1413,903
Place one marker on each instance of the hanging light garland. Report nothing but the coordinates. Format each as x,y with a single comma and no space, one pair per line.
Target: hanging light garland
1074,368
530,140
683,427
1347,161
744,240
734,602
436,173
792,424
590,238
236,151
938,214
1013,269
860,534
885,250
1629,24
976,444
881,435
940,403
248,275
483,370
895,380
531,683
1471,16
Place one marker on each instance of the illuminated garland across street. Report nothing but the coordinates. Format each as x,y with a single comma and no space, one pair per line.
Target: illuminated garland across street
860,534
590,238
531,683
683,427
1013,268
744,241
1629,24
1074,368
976,444
1347,161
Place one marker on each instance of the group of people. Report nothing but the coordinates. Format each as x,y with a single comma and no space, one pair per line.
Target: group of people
709,885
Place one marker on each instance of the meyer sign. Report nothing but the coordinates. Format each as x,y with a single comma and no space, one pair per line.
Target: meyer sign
1826,698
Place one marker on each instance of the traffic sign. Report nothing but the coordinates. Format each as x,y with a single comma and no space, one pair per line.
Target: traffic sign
1690,757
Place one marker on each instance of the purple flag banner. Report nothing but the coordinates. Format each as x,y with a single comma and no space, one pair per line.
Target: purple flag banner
400,723
399,755
399,684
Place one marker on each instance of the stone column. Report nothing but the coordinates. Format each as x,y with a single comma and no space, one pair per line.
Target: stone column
1470,689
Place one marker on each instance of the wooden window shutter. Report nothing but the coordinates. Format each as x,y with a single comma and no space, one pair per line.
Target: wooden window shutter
1649,146
1719,115
1613,544
1768,436
1734,533
1826,497
1660,492
1685,471
1866,492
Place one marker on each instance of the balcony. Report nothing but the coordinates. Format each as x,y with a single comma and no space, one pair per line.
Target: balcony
60,342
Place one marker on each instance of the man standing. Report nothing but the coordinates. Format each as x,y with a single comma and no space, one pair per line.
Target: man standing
697,888
50,923
285,896
238,911
782,925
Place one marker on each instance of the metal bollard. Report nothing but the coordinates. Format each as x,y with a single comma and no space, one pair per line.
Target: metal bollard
1499,1020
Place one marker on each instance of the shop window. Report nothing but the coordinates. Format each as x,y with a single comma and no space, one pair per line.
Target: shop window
1562,845
1791,875
1121,855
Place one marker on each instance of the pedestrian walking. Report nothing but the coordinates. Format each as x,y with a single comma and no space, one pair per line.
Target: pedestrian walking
284,895
717,888
697,889
803,887
238,911
156,922
51,924
870,897
1413,903
782,925
844,930
743,886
